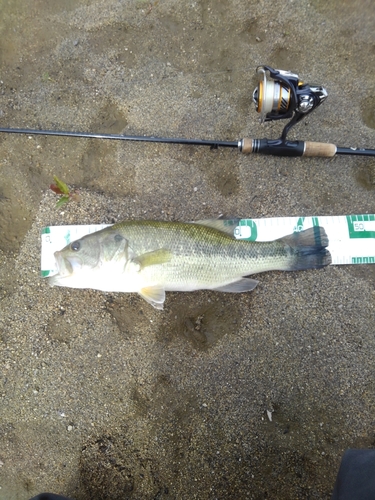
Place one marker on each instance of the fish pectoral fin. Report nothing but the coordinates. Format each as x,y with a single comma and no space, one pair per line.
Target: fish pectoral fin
160,256
154,295
242,285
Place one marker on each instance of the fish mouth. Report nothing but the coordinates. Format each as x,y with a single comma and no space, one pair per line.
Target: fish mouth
66,266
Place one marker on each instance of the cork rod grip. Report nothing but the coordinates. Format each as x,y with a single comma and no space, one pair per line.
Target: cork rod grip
247,146
321,149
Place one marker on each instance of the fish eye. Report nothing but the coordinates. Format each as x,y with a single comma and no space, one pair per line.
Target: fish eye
118,238
76,245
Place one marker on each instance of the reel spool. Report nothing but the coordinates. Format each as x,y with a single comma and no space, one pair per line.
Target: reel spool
282,95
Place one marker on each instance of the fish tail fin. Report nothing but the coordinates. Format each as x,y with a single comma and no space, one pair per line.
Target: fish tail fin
307,249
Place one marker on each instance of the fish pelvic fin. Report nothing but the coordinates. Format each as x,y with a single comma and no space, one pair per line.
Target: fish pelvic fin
239,286
154,295
308,249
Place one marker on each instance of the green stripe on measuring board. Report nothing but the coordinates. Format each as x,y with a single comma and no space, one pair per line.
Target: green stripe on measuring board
351,237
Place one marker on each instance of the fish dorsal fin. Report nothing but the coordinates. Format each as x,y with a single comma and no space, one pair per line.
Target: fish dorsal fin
160,256
242,285
154,295
224,225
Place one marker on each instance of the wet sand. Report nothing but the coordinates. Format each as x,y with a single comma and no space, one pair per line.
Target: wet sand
101,395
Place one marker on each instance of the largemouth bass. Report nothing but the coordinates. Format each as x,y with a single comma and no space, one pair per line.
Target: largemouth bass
151,257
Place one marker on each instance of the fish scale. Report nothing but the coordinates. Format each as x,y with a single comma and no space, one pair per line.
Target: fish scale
200,250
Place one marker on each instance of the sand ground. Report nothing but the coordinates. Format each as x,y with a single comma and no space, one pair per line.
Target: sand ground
103,397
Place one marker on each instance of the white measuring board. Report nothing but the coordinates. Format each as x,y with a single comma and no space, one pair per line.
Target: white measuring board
351,237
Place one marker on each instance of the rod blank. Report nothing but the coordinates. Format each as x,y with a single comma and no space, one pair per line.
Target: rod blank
265,146
119,137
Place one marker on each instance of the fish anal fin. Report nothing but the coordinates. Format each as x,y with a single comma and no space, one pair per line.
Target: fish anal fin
242,285
154,295
160,256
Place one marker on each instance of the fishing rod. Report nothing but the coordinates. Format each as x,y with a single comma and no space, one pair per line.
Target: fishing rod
279,95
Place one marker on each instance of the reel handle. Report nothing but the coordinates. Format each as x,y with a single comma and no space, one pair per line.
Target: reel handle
280,147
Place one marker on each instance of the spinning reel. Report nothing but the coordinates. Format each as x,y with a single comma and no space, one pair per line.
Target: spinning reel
283,95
